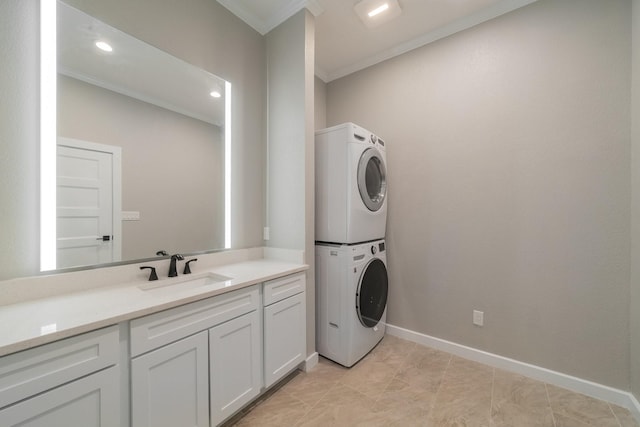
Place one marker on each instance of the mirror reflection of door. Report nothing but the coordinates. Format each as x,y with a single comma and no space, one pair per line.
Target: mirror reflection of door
88,203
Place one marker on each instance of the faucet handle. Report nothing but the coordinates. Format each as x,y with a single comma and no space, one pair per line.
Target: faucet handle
153,276
187,269
162,252
173,272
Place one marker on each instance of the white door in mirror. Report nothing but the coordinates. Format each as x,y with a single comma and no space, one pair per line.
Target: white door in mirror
84,207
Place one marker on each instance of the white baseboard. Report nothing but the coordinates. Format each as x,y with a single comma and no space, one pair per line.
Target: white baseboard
589,388
310,362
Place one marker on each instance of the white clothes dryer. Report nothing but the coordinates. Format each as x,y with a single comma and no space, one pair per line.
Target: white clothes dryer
351,185
351,299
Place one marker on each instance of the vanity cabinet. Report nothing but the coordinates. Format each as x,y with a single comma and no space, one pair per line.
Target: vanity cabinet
195,365
285,329
169,385
75,381
236,370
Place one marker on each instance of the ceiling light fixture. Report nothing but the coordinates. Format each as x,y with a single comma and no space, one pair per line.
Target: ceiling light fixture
377,12
215,94
104,46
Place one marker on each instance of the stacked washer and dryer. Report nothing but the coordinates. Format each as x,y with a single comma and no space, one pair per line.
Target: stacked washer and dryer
351,216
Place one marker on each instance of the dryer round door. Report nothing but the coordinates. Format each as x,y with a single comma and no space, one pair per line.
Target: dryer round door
372,179
371,297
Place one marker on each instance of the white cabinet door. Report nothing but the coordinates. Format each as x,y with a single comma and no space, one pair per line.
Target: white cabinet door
170,385
91,401
236,369
284,337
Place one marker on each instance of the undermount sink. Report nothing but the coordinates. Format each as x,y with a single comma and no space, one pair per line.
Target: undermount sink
185,282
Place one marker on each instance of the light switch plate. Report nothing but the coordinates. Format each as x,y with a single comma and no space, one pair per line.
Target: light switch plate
130,215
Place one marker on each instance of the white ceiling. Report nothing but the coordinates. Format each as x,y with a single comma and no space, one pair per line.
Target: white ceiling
343,43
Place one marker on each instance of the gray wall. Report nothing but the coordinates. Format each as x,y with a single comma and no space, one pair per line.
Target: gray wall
290,188
286,139
201,32
635,207
172,167
320,100
19,161
509,183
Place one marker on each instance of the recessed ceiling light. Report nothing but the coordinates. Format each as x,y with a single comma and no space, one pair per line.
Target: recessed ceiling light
104,46
215,94
376,12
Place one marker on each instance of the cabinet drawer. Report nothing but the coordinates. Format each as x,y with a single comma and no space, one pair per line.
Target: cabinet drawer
162,328
90,401
41,368
279,289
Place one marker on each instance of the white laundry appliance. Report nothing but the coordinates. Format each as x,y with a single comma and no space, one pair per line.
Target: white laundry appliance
351,185
351,299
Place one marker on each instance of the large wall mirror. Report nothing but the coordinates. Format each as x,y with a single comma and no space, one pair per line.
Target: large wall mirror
142,151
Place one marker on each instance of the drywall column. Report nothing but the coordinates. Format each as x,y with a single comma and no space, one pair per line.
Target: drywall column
320,104
635,202
19,139
290,192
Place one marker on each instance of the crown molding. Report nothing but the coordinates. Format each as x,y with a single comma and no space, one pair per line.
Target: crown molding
472,20
277,17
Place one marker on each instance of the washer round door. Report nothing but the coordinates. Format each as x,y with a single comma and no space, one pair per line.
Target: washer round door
372,179
371,297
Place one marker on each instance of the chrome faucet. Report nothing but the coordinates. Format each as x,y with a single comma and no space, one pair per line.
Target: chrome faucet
173,271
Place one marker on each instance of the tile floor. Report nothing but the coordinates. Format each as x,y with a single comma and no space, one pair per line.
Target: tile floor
401,383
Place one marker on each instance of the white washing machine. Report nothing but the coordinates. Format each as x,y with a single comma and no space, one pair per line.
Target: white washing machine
351,299
351,185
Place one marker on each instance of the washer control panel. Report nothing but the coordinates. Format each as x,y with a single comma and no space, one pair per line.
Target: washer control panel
364,251
377,247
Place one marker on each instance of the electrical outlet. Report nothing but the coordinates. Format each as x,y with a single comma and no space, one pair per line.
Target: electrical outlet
265,233
478,318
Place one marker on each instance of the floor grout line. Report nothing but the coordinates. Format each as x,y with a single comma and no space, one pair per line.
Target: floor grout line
493,385
437,393
614,414
312,407
553,415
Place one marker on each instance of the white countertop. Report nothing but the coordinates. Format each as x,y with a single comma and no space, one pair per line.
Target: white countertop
31,323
